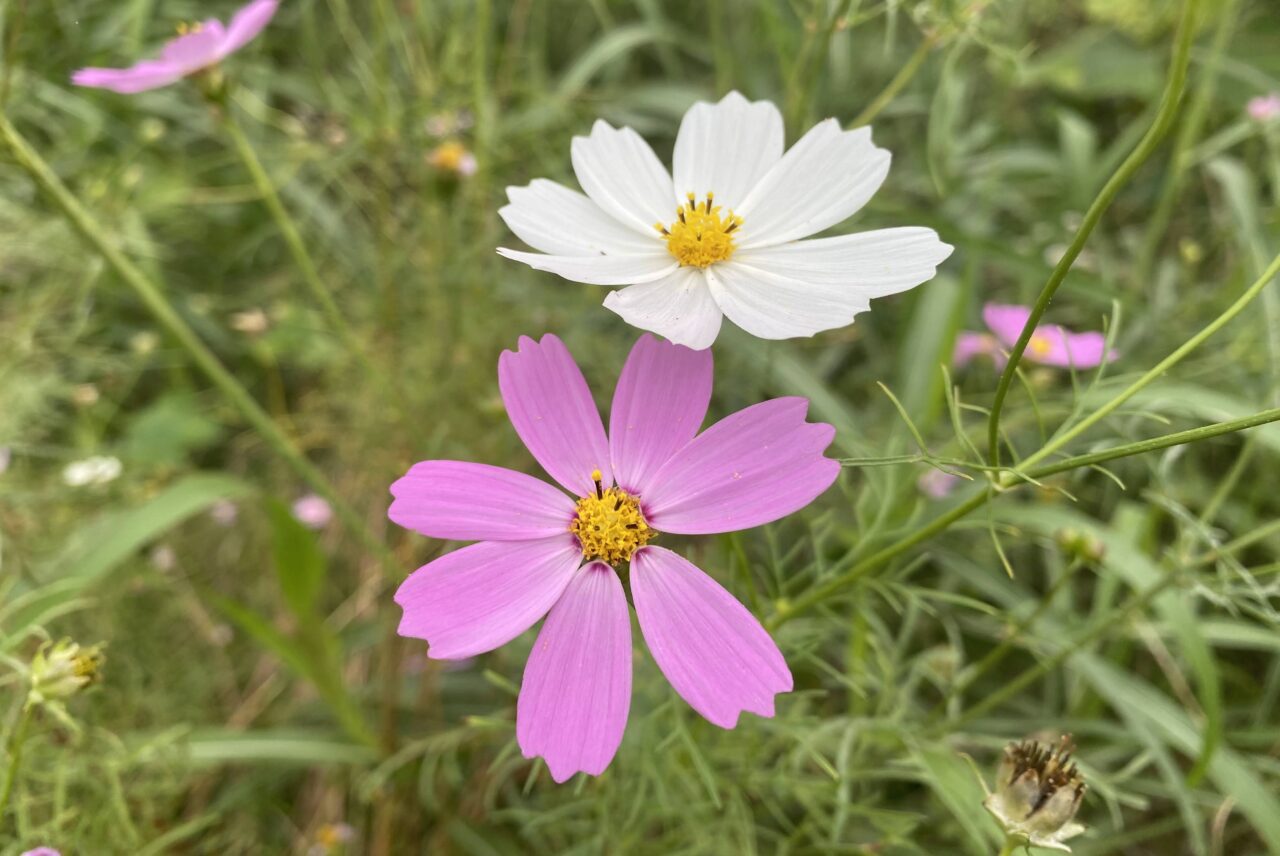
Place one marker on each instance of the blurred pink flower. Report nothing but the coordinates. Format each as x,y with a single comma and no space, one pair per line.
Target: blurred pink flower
542,552
42,851
6,455
1263,108
938,484
224,512
312,511
1050,344
206,44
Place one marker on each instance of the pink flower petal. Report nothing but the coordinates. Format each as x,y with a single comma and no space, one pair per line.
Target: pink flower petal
970,345
577,684
480,597
197,49
150,74
758,465
247,23
712,650
553,412
1006,321
461,501
658,407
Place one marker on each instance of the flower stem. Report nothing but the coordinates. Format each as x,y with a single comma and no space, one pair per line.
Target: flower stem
1163,122
900,80
16,740
1011,478
154,299
288,229
1010,844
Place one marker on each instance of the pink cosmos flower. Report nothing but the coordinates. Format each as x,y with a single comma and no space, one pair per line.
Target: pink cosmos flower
42,851
545,552
206,44
1050,344
1263,108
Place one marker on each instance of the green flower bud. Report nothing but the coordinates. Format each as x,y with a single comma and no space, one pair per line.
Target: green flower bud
60,671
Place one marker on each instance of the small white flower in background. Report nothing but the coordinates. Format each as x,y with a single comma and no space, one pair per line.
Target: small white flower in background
724,237
163,558
224,512
1038,790
42,851
85,395
312,511
252,322
144,342
6,455
92,471
453,157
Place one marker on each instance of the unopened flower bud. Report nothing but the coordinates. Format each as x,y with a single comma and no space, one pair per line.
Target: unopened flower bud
1080,545
62,670
1038,790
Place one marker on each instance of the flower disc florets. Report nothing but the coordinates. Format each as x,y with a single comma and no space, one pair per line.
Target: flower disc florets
610,525
699,237
1038,789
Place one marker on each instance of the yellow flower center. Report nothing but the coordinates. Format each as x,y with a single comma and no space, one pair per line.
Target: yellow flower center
700,236
1040,345
186,29
609,525
448,156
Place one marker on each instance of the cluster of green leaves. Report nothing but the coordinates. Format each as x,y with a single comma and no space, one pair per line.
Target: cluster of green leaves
255,688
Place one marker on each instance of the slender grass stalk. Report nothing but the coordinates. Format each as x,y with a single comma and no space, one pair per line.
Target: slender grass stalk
288,228
899,81
158,305
1159,128
16,739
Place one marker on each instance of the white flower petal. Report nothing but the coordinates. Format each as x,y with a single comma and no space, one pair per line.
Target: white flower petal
550,217
825,177
600,270
622,175
874,264
678,307
772,305
726,148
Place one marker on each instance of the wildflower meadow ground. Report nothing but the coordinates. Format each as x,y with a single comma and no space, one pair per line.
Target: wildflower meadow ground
639,426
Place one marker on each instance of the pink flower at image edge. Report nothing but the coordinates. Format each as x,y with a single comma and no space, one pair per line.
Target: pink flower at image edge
755,466
1263,108
207,44
42,851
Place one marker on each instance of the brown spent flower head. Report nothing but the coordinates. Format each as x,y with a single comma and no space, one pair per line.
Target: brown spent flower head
1038,789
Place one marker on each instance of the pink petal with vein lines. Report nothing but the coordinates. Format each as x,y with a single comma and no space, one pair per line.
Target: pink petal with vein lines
658,407
712,650
751,468
576,692
483,596
462,501
552,410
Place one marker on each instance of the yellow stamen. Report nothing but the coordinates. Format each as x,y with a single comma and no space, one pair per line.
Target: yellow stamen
185,29
610,525
700,236
1040,345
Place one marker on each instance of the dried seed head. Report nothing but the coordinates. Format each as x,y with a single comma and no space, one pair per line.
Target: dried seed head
1038,790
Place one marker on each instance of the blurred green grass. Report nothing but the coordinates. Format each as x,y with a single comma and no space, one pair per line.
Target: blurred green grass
219,727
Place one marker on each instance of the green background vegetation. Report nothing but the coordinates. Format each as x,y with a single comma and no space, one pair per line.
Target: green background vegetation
255,689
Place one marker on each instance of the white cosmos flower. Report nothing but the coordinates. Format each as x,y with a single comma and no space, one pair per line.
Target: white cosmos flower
92,471
723,238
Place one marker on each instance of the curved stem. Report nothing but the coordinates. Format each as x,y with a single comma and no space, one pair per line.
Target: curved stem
153,297
1010,844
288,229
1163,121
894,86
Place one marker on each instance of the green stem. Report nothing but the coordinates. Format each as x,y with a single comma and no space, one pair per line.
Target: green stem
900,80
16,740
154,299
1008,479
1163,121
288,229
1011,843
